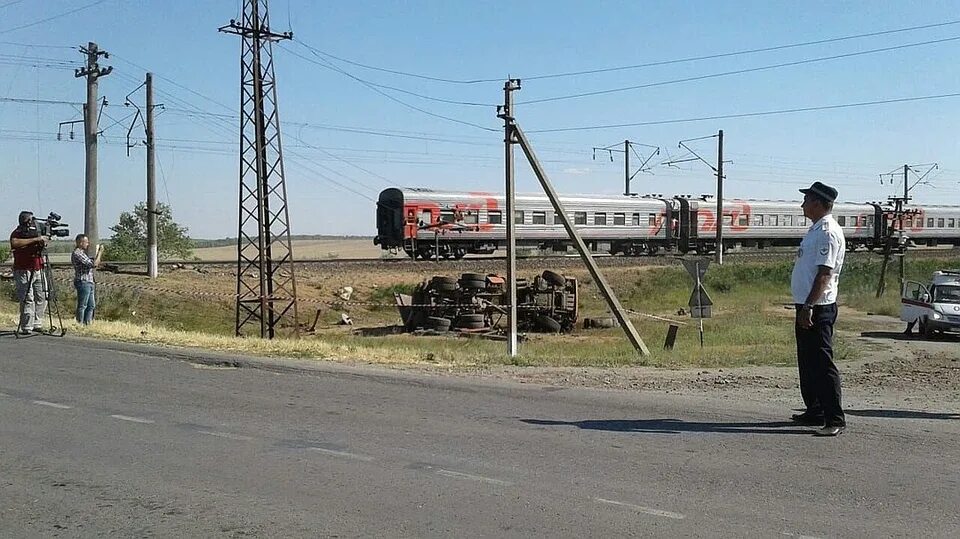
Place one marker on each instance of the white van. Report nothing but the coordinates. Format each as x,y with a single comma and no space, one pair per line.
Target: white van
935,306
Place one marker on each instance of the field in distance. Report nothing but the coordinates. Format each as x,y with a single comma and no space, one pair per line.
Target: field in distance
305,249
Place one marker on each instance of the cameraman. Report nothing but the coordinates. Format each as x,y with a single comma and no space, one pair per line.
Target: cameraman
27,245
83,281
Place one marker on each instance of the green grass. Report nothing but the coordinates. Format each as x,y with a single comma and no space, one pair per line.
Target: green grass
750,326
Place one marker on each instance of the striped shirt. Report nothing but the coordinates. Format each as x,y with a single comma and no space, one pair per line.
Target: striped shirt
82,266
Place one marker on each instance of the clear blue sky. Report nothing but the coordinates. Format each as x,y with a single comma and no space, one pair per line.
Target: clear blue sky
771,156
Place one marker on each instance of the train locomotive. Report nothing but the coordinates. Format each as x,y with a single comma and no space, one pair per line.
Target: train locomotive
424,223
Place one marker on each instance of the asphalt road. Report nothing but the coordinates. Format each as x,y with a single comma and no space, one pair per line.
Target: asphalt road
107,440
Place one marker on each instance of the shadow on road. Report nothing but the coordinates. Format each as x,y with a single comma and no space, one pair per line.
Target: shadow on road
677,426
901,336
903,414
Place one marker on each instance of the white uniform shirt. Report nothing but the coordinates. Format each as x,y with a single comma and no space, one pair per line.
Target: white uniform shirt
823,245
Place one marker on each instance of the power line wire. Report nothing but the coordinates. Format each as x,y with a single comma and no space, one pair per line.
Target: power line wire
743,52
48,19
381,92
749,114
401,90
737,71
643,65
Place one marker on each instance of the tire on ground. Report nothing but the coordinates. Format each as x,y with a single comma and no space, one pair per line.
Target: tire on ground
547,323
437,323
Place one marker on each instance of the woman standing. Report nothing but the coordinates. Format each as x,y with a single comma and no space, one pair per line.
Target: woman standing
83,281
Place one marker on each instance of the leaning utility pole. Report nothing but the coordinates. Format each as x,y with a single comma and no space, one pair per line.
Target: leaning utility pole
266,285
514,135
92,71
151,186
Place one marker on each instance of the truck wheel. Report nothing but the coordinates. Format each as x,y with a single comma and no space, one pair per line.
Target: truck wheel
553,278
437,323
548,324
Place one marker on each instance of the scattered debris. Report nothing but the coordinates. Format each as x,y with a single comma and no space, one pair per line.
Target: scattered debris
345,293
345,320
600,323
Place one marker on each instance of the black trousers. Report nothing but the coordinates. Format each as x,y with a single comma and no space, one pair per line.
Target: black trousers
819,377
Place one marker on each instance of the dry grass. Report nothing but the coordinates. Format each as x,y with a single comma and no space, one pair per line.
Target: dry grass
305,250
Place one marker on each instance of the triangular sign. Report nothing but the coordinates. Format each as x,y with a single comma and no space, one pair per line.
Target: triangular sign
704,298
696,265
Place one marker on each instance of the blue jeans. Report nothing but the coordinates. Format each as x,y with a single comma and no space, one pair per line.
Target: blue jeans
86,303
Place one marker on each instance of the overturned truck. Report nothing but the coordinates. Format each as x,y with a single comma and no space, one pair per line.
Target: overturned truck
478,303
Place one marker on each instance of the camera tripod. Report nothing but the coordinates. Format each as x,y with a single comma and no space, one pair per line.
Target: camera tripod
49,291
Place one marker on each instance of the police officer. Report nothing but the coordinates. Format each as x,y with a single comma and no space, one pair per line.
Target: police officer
814,285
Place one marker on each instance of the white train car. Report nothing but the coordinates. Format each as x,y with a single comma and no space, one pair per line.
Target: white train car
425,223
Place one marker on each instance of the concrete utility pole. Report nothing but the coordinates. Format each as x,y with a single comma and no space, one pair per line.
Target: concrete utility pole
92,71
720,197
151,186
626,168
508,141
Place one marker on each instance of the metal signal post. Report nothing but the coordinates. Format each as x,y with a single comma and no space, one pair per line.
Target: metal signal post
266,284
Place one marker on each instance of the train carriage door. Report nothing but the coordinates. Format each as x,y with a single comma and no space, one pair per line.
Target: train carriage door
688,224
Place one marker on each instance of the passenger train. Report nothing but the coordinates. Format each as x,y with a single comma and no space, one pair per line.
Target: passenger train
424,223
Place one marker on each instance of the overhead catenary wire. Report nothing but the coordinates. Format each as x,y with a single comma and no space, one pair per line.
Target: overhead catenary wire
750,114
643,65
381,92
53,17
737,71
396,89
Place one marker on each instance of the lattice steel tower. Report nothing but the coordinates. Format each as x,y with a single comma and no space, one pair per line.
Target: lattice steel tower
266,286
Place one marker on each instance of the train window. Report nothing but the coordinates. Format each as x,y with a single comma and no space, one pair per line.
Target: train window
743,220
518,217
600,218
854,221
636,219
494,217
426,216
758,219
951,223
447,216
909,222
773,220
870,220
539,217
471,218
842,220
651,219
929,222
579,217
556,219
787,220
941,222
619,219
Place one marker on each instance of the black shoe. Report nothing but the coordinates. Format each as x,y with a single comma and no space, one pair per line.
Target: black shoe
830,430
808,419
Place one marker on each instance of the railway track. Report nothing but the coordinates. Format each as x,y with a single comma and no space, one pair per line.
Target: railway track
522,262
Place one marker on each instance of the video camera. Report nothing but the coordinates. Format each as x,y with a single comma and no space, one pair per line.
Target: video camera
52,227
